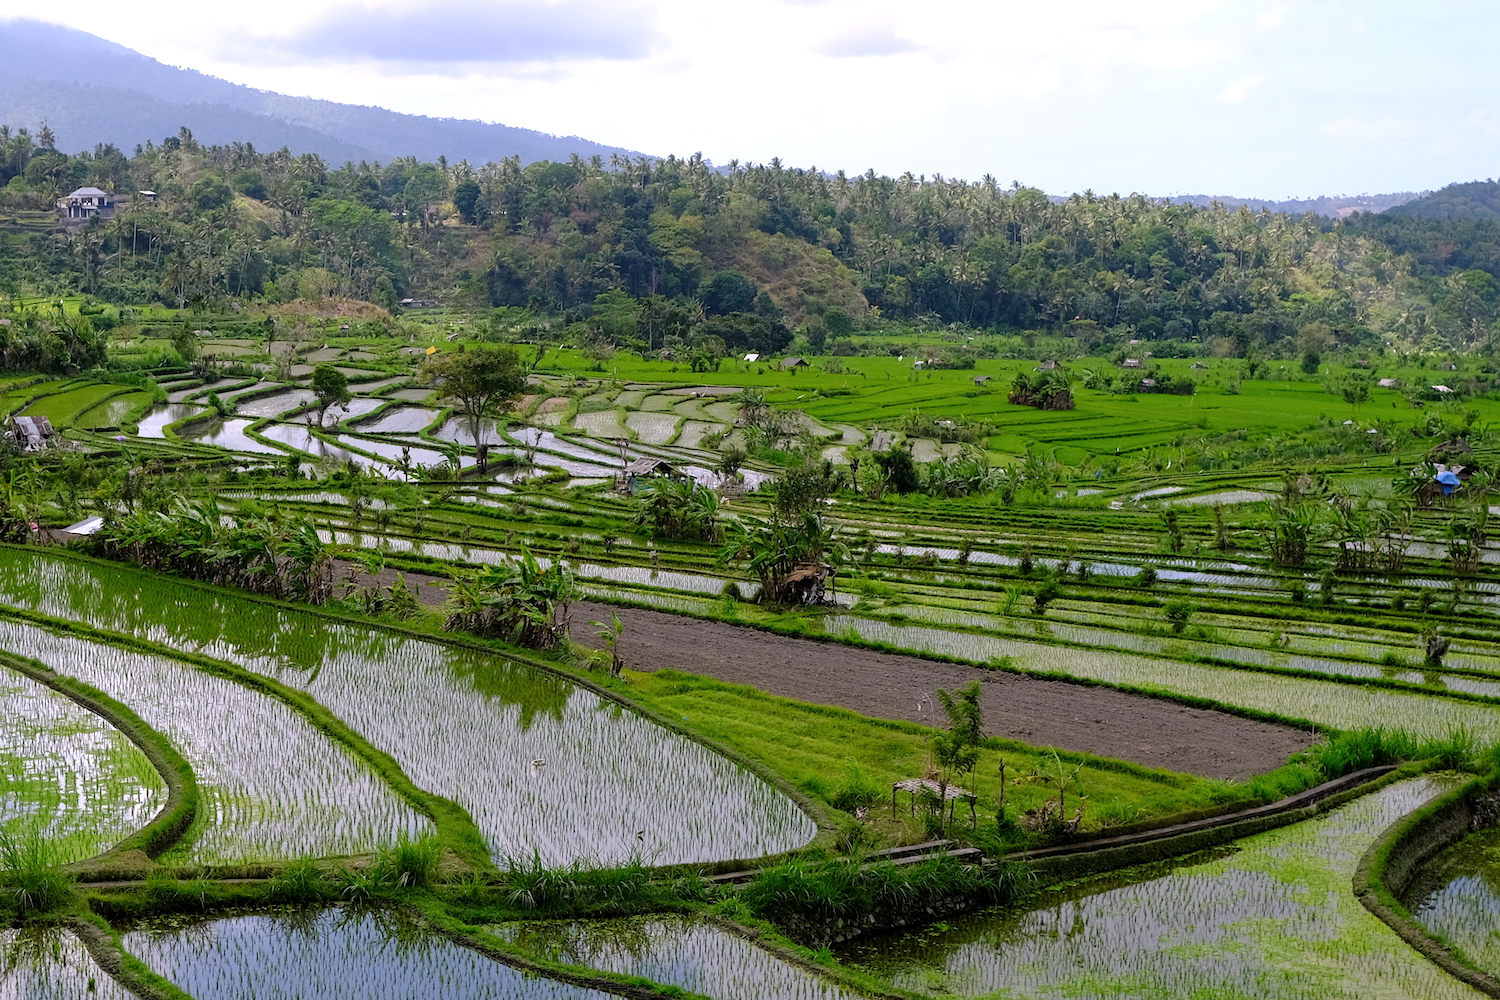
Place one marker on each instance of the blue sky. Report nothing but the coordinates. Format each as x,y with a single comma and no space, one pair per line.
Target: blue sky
1230,97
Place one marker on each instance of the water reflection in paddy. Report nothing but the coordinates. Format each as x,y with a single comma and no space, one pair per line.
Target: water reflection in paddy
1275,917
48,963
674,951
297,954
1457,897
228,434
462,723
160,416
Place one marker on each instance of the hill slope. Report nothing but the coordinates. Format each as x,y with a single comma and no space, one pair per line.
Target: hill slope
90,90
1469,200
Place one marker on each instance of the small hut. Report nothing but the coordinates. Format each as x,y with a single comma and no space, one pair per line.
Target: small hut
1389,383
1198,366
806,585
637,475
793,362
981,379
1048,366
31,433
1131,363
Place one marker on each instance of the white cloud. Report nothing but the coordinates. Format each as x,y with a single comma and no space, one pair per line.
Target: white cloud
1240,89
1224,96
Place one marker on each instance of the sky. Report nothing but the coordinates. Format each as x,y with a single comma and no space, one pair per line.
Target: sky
1231,97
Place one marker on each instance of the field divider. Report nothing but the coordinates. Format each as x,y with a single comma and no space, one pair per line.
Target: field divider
108,952
176,815
455,826
1392,861
473,938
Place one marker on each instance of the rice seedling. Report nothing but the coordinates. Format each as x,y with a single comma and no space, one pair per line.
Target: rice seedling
677,951
1324,703
1457,898
71,777
351,952
1275,918
539,764
293,795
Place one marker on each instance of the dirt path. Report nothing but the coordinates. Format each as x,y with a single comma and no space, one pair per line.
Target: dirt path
1097,720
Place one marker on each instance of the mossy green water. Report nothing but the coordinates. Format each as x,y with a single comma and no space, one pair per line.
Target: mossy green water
1275,917
69,775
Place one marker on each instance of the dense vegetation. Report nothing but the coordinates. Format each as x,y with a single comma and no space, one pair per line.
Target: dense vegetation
650,253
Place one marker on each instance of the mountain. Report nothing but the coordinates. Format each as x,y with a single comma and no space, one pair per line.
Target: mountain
90,90
1470,200
1333,206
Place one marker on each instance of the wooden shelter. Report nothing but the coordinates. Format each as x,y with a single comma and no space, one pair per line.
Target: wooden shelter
31,433
915,788
793,363
807,583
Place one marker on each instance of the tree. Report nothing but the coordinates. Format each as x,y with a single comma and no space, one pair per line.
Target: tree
466,200
477,382
331,388
727,292
957,750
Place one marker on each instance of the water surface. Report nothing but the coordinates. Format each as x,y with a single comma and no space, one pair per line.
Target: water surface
1274,916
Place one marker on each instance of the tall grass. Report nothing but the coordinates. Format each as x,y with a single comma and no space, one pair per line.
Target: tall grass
528,883
850,890
31,873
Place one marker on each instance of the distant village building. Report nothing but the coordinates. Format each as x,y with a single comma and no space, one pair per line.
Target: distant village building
981,379
1441,388
1389,383
793,363
752,356
1448,366
1048,366
147,197
1198,365
86,203
1131,363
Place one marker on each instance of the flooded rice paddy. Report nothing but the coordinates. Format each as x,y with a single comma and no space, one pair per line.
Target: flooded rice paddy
463,723
229,434
1273,916
272,787
152,423
69,775
401,420
344,953
49,963
674,951
1457,898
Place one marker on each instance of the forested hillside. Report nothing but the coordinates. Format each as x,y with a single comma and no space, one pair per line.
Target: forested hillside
751,255
1473,200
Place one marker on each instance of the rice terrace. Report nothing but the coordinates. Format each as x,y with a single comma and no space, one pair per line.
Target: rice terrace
579,578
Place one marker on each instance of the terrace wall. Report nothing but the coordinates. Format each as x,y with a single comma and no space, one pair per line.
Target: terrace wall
1392,862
